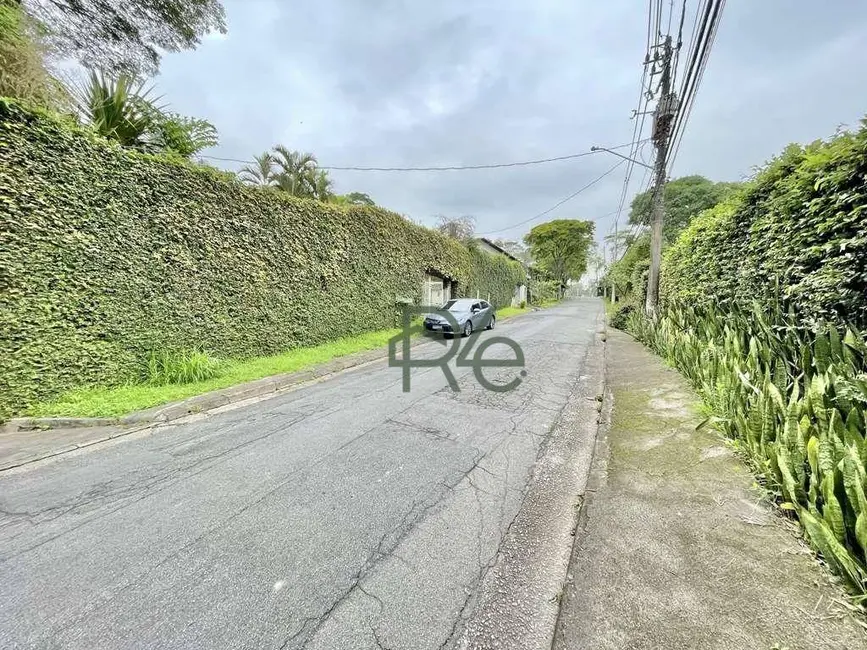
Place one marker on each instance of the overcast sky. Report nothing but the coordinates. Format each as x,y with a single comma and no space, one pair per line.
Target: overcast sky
451,82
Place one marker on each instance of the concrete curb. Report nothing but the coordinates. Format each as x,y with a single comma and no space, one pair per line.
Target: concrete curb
204,402
214,399
520,596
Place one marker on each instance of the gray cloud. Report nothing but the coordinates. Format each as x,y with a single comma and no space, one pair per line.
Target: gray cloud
399,83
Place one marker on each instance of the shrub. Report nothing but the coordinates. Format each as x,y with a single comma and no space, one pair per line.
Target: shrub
621,313
183,367
798,232
764,303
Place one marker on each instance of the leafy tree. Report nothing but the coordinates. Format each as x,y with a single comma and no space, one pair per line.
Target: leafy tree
125,35
561,247
684,198
627,273
354,198
260,173
461,228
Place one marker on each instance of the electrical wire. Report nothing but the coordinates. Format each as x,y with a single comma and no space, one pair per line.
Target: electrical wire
638,130
688,99
559,203
523,163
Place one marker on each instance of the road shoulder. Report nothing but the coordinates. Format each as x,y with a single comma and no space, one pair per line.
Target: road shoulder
675,548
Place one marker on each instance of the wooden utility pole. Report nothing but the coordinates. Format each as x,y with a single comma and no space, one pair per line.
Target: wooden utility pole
662,119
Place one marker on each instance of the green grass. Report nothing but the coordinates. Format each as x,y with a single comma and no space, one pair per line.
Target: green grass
114,401
508,312
121,400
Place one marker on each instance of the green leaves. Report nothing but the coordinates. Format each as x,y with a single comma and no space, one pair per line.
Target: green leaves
792,398
561,247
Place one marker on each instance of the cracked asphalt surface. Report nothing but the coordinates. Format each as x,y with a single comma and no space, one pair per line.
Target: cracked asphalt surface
343,514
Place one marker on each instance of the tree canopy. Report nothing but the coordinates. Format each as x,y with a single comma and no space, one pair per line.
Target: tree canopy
562,247
125,35
355,198
462,228
684,198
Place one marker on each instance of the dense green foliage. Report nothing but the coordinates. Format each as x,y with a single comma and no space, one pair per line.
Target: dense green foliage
165,368
561,247
353,198
126,35
182,135
493,277
794,402
119,108
764,302
798,232
683,199
628,273
23,73
108,254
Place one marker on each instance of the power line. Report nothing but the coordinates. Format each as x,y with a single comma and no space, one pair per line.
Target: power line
638,129
559,203
705,44
522,163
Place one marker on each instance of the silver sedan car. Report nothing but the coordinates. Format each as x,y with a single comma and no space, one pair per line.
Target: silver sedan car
470,313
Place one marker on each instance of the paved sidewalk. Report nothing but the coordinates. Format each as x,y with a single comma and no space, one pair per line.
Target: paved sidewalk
675,548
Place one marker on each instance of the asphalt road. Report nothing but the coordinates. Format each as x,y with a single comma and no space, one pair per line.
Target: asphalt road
344,514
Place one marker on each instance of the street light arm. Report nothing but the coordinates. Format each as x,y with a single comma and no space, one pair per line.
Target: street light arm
620,155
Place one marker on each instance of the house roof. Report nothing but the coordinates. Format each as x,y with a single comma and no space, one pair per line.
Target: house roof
500,249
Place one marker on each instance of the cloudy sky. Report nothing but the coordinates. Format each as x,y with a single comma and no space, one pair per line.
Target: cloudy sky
451,82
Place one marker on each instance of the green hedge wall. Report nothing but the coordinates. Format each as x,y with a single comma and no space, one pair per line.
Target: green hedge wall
797,233
493,277
108,254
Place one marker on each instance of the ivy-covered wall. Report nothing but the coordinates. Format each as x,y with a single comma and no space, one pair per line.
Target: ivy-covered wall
798,232
108,254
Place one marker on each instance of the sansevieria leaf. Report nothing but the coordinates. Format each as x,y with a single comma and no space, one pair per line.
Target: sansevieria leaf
861,531
833,514
822,351
835,553
813,457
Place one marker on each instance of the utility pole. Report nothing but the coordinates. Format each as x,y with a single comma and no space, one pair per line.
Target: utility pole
613,262
666,108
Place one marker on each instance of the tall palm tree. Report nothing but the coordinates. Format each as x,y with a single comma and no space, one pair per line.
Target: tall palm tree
296,172
261,173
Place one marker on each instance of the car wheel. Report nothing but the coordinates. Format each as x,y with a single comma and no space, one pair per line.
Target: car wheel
493,323
468,328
